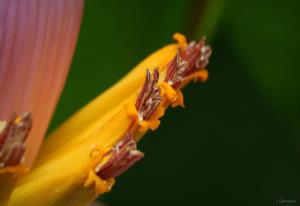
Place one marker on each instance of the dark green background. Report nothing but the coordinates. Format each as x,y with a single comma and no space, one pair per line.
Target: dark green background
237,141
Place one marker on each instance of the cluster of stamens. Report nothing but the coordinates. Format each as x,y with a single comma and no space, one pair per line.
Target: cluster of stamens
187,61
122,156
12,138
149,97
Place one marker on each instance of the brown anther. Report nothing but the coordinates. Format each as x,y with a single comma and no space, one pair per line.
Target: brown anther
187,61
149,97
12,138
122,156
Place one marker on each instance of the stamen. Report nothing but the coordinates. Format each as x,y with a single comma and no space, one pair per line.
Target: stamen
149,97
12,138
122,157
187,61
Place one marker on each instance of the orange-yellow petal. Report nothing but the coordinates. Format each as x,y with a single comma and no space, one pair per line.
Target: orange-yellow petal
180,38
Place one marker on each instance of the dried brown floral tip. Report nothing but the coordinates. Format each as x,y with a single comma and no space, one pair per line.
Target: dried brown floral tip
149,97
187,61
12,138
123,155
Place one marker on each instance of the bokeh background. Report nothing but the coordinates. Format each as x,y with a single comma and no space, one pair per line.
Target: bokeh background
237,140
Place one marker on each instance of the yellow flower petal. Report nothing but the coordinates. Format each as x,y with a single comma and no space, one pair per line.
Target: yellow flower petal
109,99
101,186
80,160
180,38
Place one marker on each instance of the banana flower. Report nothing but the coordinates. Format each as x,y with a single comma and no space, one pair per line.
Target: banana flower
37,41
82,158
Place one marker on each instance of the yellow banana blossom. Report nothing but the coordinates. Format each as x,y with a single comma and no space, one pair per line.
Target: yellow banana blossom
81,159
37,43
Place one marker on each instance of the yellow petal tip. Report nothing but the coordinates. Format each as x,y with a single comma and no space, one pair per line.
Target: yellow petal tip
174,96
201,75
181,40
168,91
132,112
101,186
152,124
179,100
18,169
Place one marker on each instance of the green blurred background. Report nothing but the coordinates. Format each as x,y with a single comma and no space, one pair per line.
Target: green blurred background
237,140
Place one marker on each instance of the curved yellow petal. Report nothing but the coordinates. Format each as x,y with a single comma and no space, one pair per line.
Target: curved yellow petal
110,98
74,157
